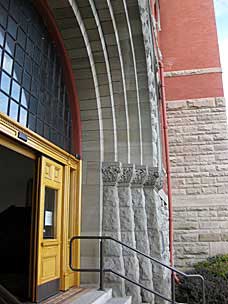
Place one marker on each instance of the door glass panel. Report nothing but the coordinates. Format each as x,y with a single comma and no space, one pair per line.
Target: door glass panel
71,203
50,207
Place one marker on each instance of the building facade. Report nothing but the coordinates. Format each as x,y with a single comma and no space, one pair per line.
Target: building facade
80,125
83,141
197,129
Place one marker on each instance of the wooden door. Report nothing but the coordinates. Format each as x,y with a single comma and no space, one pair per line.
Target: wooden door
49,228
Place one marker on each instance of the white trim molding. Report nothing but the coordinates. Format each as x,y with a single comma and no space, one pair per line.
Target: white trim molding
193,72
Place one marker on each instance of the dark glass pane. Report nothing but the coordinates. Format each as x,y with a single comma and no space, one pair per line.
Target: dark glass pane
3,17
7,63
5,83
2,34
46,131
5,3
12,27
26,81
10,44
13,112
3,103
17,72
50,208
34,88
24,98
39,127
31,122
28,65
19,55
21,38
40,112
29,47
14,9
33,105
23,116
37,54
15,91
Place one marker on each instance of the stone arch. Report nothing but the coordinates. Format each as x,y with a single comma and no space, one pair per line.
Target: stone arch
106,42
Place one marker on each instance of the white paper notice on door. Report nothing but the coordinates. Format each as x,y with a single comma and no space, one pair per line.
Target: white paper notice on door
48,218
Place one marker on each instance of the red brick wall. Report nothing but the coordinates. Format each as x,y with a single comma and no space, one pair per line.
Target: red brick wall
188,41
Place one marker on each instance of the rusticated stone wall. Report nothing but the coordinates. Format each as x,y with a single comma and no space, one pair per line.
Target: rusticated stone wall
198,137
200,232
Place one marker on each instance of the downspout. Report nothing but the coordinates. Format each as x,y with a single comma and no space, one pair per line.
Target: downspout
167,160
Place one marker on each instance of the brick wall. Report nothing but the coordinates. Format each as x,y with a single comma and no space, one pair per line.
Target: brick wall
199,160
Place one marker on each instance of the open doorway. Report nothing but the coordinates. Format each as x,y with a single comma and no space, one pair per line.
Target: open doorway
16,197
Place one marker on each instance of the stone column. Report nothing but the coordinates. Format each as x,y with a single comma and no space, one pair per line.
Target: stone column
141,235
113,253
127,225
158,231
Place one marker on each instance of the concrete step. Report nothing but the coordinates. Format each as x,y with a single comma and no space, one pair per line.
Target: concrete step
126,300
94,297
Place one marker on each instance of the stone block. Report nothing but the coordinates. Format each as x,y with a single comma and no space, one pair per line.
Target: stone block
201,103
207,213
209,225
111,219
209,237
174,106
185,225
140,219
216,248
224,236
126,219
189,237
196,249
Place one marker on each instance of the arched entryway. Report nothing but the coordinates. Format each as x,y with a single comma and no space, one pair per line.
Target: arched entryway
39,140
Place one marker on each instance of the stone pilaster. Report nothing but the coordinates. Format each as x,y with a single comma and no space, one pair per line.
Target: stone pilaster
113,252
128,233
141,235
158,231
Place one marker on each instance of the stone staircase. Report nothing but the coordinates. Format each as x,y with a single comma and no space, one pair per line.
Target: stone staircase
94,296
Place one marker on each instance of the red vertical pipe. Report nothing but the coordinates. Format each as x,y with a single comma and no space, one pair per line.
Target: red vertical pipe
166,144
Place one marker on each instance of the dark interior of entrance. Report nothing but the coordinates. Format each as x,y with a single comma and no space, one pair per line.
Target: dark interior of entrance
16,192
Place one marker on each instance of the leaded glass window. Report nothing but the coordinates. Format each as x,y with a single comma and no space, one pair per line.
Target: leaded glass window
32,88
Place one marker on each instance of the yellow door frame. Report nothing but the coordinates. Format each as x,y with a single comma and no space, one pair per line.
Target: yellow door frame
27,142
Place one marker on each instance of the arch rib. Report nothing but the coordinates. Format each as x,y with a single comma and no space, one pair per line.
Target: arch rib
97,20
94,73
98,99
123,79
136,79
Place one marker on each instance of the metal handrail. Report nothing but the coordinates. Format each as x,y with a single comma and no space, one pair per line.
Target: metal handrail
102,270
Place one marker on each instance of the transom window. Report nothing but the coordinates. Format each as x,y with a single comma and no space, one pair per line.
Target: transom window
32,89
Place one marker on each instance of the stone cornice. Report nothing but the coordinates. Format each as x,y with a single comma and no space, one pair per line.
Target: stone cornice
111,172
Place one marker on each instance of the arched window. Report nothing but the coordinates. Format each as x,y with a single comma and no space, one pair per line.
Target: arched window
32,88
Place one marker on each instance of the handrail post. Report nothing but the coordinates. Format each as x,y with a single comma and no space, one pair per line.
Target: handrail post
173,287
101,267
203,289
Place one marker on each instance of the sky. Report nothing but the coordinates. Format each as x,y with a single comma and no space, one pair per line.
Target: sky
221,12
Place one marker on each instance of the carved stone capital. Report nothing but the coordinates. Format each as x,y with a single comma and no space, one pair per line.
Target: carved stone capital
155,179
111,173
152,177
139,176
126,175
160,180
